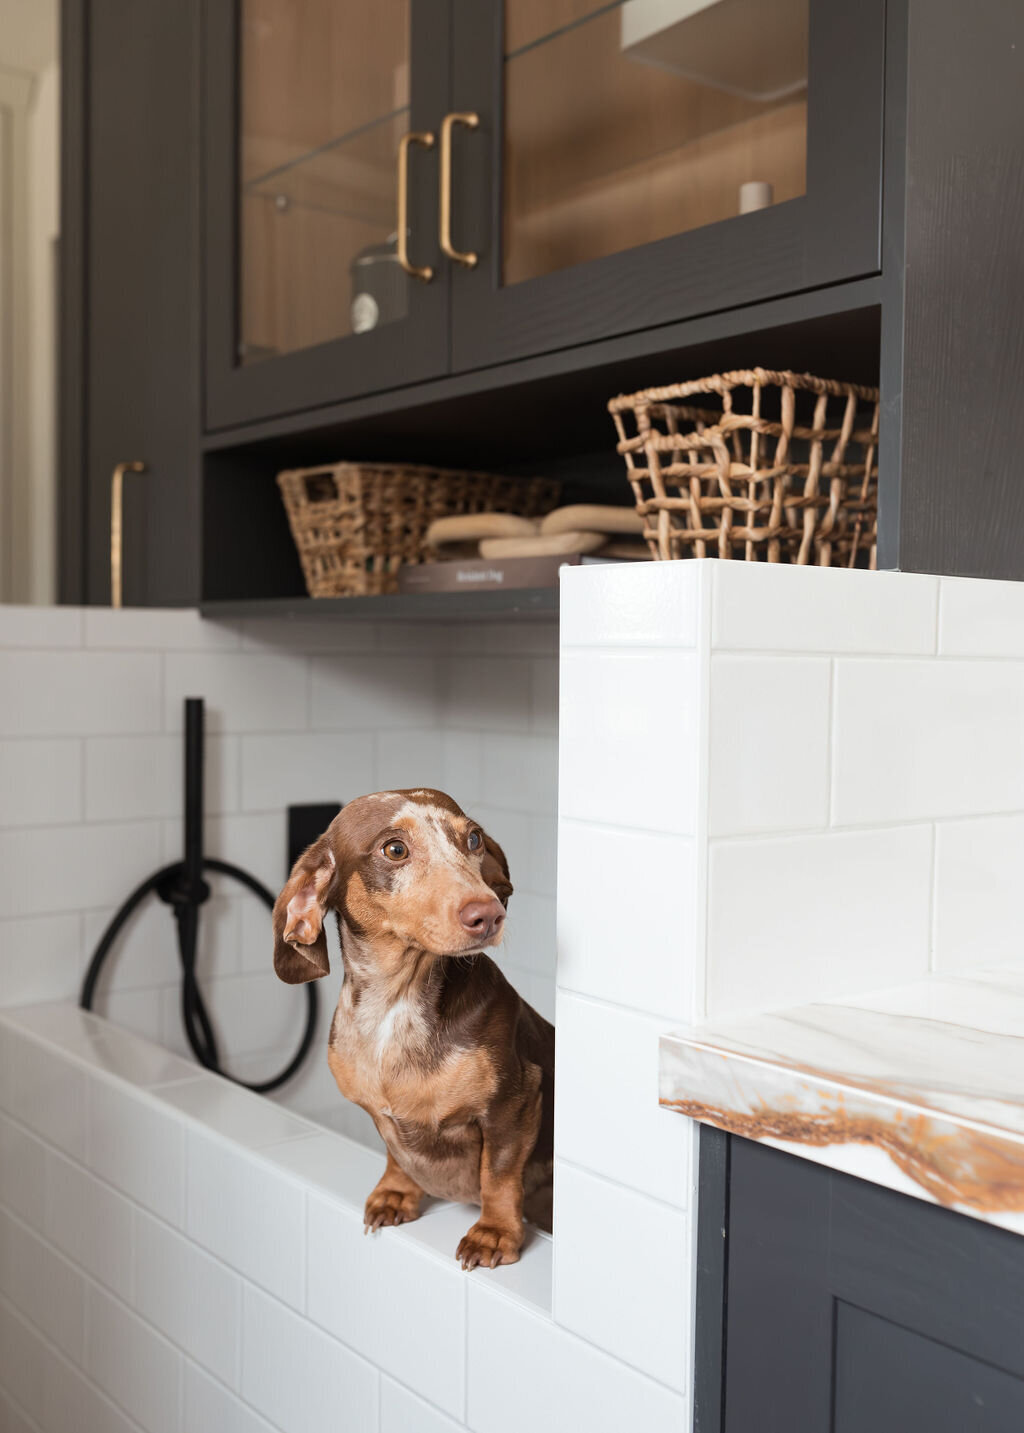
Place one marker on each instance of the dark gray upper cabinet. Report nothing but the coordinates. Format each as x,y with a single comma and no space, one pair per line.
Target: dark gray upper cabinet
596,159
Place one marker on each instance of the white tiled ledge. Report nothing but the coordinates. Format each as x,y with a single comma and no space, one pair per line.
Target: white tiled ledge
196,1224
917,1088
340,1169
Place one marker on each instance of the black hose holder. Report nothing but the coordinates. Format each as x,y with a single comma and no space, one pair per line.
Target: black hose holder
182,886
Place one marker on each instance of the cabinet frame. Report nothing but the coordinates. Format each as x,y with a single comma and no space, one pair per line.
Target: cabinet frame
830,234
392,356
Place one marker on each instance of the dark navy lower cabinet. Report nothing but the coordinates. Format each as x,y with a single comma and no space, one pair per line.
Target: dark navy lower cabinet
829,1305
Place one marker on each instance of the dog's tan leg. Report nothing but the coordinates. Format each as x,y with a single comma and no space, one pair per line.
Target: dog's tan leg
497,1236
395,1200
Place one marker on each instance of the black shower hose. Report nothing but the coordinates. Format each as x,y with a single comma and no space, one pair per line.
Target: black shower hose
182,887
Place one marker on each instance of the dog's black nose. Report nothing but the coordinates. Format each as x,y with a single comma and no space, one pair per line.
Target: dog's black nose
482,919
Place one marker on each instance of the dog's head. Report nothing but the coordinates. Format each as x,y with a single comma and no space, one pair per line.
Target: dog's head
408,868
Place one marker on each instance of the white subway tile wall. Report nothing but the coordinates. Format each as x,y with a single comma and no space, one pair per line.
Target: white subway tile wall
313,710
908,853
632,823
771,607
978,869
849,911
776,785
762,769
613,757
627,1299
768,755
607,1117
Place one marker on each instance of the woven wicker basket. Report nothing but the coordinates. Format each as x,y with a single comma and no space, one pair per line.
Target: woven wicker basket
356,524
783,468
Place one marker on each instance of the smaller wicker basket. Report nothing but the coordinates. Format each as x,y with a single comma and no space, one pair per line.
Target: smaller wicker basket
356,524
783,469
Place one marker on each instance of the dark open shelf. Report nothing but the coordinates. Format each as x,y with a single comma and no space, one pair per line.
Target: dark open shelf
538,603
546,416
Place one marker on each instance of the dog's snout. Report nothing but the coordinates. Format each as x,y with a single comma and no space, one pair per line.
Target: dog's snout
482,919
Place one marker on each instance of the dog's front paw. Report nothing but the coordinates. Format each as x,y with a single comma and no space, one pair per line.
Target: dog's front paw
390,1206
489,1246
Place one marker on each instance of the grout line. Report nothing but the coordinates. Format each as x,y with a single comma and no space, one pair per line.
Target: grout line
1014,659
83,794
629,648
304,1254
78,1369
901,823
682,1210
698,993
833,744
136,1209
465,1343
615,828
605,1004
8,1399
933,898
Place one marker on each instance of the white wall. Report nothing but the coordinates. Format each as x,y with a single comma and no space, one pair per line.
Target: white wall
775,785
30,224
90,793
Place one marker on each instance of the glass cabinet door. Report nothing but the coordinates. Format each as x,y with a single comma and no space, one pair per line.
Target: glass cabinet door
632,122
657,159
322,137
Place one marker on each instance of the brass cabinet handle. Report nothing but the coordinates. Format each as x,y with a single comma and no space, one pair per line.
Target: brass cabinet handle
471,121
415,271
116,526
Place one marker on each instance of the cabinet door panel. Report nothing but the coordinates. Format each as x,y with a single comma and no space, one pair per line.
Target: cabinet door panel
141,283
307,105
889,1380
845,1300
620,150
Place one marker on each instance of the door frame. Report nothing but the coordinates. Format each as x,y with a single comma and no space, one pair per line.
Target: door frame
391,356
831,233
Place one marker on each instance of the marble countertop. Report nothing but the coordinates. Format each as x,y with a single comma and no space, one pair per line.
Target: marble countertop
919,1088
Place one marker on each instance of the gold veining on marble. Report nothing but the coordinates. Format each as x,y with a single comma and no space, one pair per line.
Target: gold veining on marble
931,1076
956,1166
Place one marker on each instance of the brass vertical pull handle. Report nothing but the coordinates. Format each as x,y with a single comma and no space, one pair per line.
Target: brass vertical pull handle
416,271
117,526
471,121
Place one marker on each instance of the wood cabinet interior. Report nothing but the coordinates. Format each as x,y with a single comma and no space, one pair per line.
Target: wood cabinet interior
324,98
603,152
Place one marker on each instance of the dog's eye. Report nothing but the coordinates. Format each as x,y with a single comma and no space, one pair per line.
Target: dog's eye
395,850
474,841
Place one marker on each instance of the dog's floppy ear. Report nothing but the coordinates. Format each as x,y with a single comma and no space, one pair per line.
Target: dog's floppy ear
300,943
494,869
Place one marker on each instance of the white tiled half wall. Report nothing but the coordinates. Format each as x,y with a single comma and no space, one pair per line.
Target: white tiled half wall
776,785
181,1256
296,711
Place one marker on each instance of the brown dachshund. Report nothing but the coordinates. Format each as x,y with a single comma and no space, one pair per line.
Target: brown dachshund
456,1071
